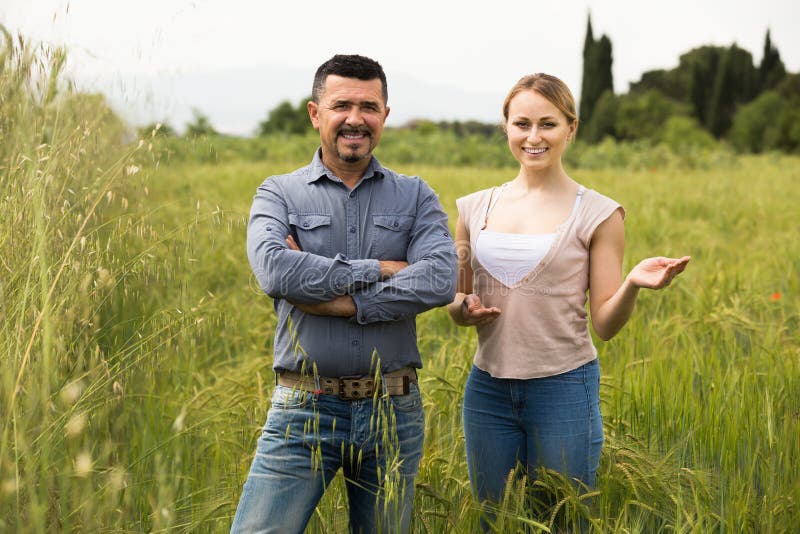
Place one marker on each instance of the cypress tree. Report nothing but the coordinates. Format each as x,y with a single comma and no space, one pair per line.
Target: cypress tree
604,60
736,82
587,103
588,42
771,70
597,77
702,64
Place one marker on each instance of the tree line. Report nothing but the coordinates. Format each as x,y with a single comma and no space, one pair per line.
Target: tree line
715,94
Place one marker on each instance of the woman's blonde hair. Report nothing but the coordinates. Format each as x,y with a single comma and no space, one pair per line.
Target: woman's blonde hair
550,87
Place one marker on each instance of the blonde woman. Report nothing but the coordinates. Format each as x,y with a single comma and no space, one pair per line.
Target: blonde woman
529,251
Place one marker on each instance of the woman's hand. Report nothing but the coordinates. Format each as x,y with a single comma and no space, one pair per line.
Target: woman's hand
473,313
657,273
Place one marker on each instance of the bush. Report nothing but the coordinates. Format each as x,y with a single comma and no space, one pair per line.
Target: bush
770,122
643,115
681,133
603,121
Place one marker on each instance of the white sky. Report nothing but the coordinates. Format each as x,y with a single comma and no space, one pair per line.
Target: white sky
234,60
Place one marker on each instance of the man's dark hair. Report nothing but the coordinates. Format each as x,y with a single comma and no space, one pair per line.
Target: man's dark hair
349,66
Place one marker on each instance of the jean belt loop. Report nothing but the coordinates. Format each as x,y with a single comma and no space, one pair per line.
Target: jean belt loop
384,390
317,388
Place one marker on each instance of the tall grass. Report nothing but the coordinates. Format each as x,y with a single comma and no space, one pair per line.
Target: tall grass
136,347
91,439
60,158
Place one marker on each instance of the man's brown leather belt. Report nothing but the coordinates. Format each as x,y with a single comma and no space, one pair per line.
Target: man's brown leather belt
352,388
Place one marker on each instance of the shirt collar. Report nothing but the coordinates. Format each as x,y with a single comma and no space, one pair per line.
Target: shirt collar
319,170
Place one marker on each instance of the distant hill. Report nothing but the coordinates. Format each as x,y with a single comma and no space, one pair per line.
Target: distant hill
236,100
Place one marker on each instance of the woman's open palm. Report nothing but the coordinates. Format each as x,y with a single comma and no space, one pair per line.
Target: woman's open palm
657,272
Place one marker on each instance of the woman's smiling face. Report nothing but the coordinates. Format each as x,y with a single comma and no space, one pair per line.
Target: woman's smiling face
537,130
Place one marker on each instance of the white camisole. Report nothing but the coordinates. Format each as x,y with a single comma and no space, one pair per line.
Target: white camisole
510,257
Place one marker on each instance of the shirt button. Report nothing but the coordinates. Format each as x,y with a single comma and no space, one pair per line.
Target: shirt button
305,224
354,342
396,224
352,229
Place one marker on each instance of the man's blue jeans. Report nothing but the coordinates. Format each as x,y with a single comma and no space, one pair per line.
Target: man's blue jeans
553,422
308,437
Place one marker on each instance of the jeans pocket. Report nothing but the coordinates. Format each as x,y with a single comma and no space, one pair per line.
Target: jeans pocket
408,403
289,398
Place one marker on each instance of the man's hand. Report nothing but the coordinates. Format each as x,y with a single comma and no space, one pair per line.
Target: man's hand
390,268
293,244
342,306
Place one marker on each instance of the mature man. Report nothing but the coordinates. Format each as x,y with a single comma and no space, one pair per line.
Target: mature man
351,252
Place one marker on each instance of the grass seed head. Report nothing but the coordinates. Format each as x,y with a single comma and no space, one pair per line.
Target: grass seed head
76,425
71,392
83,464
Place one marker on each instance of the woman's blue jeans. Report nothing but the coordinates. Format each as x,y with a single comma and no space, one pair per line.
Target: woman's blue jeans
308,437
552,422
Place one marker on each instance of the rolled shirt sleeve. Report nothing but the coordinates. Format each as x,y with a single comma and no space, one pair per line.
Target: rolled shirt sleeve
430,278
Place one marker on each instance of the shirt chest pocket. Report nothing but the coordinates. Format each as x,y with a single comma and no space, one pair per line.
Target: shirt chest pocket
313,232
391,235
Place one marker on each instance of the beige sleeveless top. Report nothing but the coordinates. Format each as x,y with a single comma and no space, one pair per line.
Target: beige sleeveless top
543,328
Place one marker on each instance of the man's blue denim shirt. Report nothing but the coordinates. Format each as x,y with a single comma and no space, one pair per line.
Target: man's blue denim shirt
343,233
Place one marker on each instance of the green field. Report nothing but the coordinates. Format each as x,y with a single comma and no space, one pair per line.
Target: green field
135,343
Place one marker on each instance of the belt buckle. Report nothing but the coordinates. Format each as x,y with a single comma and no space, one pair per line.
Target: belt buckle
356,387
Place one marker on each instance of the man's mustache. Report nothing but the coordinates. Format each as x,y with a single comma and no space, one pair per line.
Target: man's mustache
349,130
